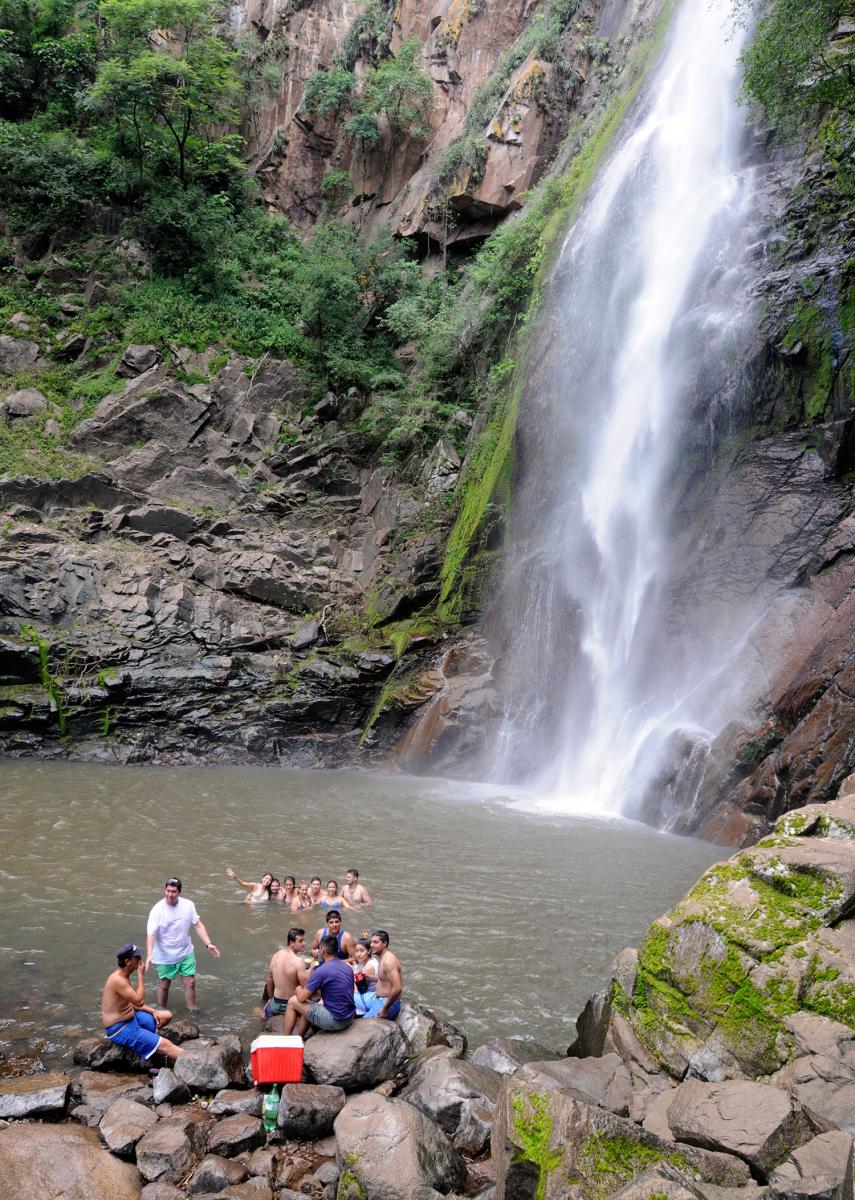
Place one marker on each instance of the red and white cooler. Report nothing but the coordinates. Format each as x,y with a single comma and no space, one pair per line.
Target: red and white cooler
277,1059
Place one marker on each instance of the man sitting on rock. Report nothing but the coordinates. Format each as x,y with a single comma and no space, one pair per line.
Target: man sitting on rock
334,980
386,999
127,1018
287,971
345,945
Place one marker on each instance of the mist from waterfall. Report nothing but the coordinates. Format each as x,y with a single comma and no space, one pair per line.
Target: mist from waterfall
648,300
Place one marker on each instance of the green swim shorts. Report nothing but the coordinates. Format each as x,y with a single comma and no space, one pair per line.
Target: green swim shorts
187,966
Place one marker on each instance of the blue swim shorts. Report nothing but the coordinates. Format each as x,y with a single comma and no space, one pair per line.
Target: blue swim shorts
139,1034
322,1018
275,1007
370,1005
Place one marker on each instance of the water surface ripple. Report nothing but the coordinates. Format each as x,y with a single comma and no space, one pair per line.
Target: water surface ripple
505,923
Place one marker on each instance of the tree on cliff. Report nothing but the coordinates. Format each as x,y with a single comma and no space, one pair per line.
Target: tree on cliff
169,82
795,63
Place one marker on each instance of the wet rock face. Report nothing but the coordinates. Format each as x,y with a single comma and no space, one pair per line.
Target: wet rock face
180,571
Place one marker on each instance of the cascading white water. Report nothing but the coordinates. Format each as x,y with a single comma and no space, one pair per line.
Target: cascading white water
645,306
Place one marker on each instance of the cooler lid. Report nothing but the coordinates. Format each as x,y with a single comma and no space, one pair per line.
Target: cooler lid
276,1041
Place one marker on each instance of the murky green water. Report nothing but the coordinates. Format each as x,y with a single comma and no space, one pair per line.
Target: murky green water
504,922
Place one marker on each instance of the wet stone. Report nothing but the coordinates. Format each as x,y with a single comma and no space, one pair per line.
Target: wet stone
124,1123
215,1173
33,1095
234,1135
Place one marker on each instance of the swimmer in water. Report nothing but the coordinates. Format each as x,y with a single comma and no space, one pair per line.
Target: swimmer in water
332,899
303,899
288,894
257,893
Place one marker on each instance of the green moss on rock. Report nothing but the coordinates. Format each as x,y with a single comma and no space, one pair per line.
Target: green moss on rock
533,1126
608,1161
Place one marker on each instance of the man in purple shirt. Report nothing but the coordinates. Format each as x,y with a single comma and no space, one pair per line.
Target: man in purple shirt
334,980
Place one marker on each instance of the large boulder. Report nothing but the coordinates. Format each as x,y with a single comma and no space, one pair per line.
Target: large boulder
757,939
168,1088
34,1095
16,354
824,1084
307,1110
361,1056
210,1068
602,1081
236,1100
215,1173
821,1167
233,1135
389,1149
507,1055
137,359
64,1161
97,1090
759,1123
100,1054
26,403
124,1123
550,1144
165,1152
423,1029
459,1096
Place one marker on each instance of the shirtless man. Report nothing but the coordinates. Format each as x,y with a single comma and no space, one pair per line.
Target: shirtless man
332,928
127,1019
386,1001
288,970
353,891
316,891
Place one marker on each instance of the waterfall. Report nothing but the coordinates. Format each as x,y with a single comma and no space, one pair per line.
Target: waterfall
604,681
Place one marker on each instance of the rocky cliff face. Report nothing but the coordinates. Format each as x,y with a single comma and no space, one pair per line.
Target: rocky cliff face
488,79
220,570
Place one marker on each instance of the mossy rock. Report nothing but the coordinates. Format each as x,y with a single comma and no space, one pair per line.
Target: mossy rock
749,945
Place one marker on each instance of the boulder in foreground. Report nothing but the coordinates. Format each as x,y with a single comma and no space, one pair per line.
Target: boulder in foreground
390,1150
367,1053
66,1161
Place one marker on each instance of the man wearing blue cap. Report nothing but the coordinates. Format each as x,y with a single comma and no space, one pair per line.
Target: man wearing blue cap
128,1020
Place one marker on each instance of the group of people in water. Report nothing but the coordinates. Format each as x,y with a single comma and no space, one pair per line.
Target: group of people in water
339,980
301,896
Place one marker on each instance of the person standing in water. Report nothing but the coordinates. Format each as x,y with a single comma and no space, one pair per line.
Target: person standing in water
354,892
169,945
257,893
127,1019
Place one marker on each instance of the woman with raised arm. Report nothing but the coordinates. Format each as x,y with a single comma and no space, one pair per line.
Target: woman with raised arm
257,893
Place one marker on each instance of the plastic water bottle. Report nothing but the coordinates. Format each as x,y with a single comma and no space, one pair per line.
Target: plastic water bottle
270,1108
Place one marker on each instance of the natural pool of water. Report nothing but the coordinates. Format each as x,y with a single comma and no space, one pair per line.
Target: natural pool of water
505,922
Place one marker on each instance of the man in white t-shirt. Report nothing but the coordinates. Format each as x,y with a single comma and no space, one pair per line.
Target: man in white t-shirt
169,945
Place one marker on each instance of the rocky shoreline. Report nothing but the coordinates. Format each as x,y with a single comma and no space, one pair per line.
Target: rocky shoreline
718,1064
